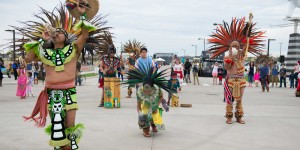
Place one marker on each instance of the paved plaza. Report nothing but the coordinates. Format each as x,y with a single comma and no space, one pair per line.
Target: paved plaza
272,121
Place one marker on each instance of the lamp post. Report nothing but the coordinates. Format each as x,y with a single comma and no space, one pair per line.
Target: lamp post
280,49
195,49
203,43
183,52
14,42
269,46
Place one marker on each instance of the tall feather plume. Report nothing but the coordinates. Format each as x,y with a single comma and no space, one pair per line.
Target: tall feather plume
147,75
225,34
133,46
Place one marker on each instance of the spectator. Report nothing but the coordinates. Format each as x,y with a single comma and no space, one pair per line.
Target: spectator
220,74
215,72
1,74
251,70
274,74
187,71
29,67
264,73
282,74
195,73
36,69
296,71
9,70
78,68
292,77
15,67
256,77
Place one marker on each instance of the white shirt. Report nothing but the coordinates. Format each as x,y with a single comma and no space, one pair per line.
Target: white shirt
215,69
177,67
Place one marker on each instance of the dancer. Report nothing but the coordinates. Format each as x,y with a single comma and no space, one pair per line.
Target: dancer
108,67
239,38
59,54
149,96
133,49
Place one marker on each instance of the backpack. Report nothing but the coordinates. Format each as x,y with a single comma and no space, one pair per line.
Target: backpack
195,68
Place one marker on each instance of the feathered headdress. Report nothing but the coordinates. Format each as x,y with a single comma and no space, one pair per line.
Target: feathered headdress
133,46
60,18
147,75
236,31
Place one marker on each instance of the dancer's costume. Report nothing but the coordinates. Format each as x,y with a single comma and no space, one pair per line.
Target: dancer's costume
132,47
149,112
58,98
110,99
241,33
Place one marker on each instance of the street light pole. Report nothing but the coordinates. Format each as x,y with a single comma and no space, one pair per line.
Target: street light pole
280,49
268,54
195,49
183,52
14,42
203,43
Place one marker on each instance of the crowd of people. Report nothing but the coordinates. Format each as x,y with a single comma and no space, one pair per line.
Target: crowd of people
270,74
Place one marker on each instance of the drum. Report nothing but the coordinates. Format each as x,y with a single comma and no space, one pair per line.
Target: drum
175,101
111,92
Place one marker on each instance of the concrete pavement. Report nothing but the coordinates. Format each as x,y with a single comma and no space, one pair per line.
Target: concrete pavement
272,121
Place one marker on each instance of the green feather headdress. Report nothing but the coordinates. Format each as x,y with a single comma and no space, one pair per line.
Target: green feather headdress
147,76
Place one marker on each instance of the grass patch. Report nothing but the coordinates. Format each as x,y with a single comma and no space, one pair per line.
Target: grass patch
90,74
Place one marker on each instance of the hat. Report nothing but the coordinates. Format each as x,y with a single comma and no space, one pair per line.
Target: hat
93,7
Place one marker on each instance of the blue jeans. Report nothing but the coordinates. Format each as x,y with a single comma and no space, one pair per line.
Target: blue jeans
250,78
296,80
292,84
35,75
120,75
282,79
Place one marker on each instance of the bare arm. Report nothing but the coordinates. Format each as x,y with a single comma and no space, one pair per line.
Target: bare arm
84,32
30,56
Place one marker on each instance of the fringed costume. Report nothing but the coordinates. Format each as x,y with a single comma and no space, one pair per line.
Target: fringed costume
231,38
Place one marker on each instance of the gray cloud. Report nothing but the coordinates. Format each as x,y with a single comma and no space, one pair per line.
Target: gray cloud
168,25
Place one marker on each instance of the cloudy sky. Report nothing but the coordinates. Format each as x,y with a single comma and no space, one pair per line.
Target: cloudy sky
167,25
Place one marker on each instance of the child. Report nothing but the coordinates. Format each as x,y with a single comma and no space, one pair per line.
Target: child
22,79
174,84
29,84
256,78
292,78
220,74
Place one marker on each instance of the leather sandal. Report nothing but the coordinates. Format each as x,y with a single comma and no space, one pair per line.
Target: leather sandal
154,128
229,121
240,120
146,132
